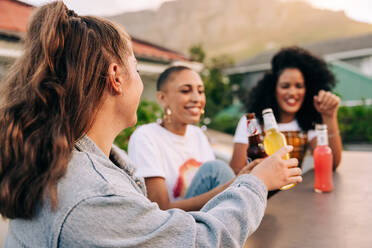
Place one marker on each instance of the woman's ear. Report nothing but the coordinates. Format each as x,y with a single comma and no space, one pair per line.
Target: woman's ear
115,79
162,98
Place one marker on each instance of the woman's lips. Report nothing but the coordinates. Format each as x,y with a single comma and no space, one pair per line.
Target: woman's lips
291,102
193,110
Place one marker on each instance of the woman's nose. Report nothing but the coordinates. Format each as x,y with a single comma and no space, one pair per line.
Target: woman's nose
292,90
195,96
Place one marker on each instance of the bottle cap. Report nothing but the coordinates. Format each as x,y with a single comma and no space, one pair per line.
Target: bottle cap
268,110
320,127
250,116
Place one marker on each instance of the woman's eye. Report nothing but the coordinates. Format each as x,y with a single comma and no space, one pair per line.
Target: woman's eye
201,91
299,86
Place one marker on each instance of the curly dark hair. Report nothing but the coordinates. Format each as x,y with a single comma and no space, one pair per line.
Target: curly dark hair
317,77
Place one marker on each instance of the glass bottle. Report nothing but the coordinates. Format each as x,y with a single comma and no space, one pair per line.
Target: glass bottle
323,161
274,140
255,148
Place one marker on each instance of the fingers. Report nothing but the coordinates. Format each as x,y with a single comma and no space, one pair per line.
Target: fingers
321,95
283,151
326,102
328,97
293,172
292,162
296,179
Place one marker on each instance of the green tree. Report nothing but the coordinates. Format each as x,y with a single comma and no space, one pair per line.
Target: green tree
197,53
217,87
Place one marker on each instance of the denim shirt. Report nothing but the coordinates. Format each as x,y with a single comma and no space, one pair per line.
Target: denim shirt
101,204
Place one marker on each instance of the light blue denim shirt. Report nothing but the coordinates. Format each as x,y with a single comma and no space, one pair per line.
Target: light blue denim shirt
101,204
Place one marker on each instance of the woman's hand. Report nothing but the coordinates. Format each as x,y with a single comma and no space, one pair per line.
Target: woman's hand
249,167
326,103
276,172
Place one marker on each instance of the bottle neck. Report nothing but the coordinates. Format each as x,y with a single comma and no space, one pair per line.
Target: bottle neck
252,127
270,122
322,137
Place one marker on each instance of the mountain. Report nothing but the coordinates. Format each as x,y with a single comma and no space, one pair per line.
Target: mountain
240,28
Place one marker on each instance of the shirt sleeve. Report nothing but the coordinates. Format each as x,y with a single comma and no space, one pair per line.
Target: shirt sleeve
241,134
145,155
310,135
133,221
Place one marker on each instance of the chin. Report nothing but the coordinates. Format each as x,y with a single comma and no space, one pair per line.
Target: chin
195,120
292,111
132,122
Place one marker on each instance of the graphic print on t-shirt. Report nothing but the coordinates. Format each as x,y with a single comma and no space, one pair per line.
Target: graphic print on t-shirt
186,173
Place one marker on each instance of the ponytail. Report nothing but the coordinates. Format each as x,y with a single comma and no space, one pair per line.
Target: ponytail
50,97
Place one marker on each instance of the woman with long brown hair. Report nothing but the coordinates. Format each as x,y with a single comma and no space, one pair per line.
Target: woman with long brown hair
63,183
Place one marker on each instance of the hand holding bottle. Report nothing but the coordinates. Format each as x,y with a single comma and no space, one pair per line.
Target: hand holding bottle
276,172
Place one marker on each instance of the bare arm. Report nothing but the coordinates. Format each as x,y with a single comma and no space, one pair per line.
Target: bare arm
239,157
327,105
157,192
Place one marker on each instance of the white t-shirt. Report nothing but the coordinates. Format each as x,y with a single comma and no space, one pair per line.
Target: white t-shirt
157,152
241,133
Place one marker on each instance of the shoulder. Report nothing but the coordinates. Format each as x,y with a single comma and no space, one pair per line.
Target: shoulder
146,129
84,176
147,133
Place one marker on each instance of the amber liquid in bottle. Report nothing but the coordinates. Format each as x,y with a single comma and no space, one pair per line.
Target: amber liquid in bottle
256,148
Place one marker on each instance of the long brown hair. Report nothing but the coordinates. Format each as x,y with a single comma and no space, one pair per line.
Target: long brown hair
49,100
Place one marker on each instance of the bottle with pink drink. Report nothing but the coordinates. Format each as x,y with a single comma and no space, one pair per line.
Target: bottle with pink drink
323,161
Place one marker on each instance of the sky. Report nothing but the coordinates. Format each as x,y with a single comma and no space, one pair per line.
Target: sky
359,10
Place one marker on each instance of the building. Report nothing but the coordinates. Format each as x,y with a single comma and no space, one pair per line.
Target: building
152,58
350,59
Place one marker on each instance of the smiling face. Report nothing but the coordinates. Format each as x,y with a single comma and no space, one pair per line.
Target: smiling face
290,91
184,95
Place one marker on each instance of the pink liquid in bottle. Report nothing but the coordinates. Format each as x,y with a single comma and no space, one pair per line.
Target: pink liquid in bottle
323,162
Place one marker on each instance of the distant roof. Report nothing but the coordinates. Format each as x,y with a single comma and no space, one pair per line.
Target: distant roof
341,48
14,16
146,50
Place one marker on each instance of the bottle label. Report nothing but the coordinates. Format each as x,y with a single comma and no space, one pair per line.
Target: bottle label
252,127
322,137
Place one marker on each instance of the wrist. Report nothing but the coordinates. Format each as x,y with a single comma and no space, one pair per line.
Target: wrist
260,177
329,118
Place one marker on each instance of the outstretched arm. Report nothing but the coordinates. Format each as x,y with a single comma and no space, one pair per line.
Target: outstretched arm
157,192
239,157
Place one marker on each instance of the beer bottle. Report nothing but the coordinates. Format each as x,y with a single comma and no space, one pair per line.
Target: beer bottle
255,146
274,140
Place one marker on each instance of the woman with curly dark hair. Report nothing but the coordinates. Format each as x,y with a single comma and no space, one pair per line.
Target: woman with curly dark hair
298,90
